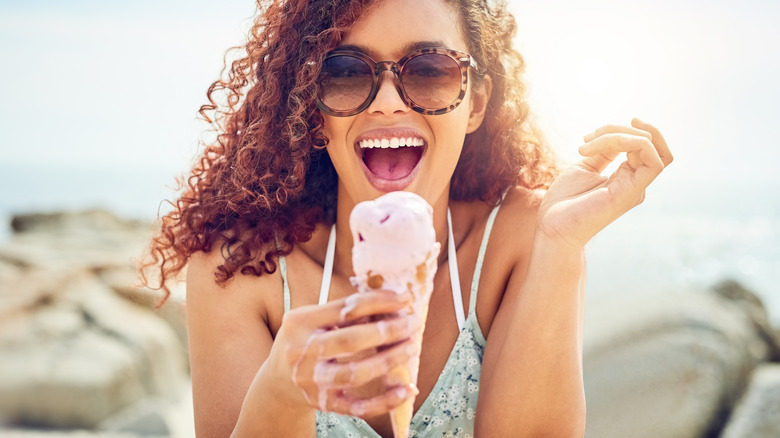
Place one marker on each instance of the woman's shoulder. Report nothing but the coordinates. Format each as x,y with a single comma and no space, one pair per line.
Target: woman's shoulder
515,224
523,201
515,218
246,292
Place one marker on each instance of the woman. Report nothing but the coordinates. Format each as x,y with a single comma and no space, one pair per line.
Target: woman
323,85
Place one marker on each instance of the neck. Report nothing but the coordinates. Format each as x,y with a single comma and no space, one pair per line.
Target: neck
345,204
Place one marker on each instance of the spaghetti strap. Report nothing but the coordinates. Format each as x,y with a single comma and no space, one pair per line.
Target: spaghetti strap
481,259
457,297
326,273
285,285
327,269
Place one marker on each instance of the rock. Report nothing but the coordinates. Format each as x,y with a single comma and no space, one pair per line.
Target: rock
81,354
665,365
739,295
758,412
25,290
81,345
147,417
124,281
67,241
68,222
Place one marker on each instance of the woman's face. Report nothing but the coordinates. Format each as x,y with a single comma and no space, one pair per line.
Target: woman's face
387,33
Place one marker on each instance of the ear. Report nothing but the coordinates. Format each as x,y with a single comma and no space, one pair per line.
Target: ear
478,104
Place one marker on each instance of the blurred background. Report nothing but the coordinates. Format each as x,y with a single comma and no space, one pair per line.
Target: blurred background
99,105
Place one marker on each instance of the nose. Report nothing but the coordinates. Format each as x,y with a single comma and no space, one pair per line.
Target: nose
388,99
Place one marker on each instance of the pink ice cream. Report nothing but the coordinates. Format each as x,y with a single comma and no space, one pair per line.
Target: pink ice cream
395,248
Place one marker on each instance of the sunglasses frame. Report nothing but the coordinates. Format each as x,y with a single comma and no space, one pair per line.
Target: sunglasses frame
463,60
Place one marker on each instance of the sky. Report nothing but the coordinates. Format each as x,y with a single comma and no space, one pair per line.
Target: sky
99,100
91,84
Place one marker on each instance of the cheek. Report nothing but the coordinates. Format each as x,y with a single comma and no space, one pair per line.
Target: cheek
336,129
453,126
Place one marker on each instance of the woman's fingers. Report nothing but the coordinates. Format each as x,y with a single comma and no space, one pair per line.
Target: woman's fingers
354,373
347,310
378,302
618,129
318,378
360,337
345,403
641,154
658,140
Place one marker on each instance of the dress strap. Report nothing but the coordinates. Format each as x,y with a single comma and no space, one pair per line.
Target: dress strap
327,269
481,259
457,296
327,272
285,285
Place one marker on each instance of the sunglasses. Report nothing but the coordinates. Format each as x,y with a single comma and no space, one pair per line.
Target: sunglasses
431,81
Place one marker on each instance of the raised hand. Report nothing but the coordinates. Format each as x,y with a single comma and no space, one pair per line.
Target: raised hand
582,201
333,349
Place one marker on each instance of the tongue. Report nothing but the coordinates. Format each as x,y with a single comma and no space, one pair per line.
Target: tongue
391,163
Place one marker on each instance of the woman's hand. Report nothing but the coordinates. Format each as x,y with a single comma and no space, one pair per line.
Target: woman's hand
321,353
582,201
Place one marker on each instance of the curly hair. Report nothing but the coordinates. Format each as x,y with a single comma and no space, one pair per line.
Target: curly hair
266,181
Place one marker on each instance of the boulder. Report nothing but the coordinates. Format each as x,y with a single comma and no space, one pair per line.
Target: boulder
751,304
757,414
666,365
70,222
71,240
124,281
75,355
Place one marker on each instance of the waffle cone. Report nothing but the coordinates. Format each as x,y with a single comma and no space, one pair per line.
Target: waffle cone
401,417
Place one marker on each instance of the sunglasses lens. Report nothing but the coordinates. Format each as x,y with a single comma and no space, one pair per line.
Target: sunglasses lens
345,82
432,81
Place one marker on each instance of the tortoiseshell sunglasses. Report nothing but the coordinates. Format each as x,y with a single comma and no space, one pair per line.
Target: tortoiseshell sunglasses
431,81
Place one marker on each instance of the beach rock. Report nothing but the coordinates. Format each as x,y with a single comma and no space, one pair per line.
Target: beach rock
147,417
72,222
757,414
124,281
74,353
738,295
67,241
666,365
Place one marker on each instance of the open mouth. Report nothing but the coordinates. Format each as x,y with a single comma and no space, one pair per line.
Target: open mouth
392,158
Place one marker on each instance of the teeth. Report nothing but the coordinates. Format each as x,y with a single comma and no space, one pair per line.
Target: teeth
394,142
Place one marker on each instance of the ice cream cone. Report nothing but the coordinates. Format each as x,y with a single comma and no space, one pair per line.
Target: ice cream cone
395,248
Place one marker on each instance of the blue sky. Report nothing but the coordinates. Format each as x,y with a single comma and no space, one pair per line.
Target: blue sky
95,83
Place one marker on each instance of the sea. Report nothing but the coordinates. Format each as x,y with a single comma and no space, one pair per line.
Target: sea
686,235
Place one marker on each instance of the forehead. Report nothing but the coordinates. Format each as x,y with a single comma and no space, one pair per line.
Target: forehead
394,27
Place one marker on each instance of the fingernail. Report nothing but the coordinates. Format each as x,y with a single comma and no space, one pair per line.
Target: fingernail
401,392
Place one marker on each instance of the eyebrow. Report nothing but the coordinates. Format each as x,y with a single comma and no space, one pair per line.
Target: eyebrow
411,47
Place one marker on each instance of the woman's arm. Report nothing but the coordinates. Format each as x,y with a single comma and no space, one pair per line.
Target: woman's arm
229,342
245,383
532,368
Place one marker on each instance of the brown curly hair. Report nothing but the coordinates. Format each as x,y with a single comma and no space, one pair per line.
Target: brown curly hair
267,180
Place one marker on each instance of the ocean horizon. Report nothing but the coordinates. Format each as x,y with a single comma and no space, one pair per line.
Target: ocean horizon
682,237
